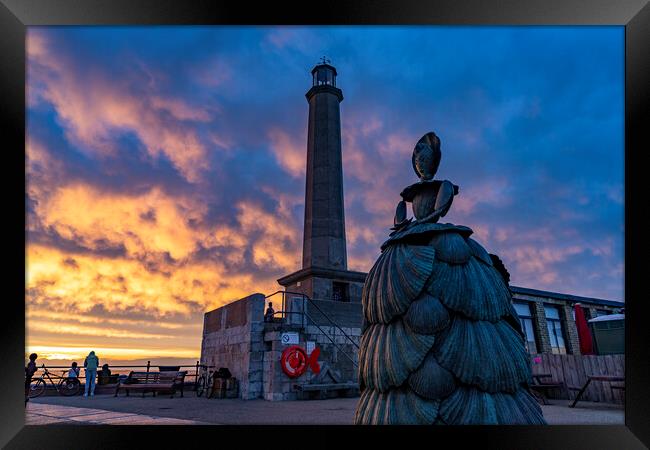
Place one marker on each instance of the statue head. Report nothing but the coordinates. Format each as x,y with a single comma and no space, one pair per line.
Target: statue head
426,156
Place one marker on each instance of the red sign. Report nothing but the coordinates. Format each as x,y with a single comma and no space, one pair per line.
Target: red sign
295,361
584,335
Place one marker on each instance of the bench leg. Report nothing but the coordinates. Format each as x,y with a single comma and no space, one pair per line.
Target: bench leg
539,396
584,388
614,388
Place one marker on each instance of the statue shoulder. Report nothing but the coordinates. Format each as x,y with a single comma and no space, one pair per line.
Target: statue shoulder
448,186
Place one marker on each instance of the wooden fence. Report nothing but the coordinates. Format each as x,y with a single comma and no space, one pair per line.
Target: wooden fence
573,371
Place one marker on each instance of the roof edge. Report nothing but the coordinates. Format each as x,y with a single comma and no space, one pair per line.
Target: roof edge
568,297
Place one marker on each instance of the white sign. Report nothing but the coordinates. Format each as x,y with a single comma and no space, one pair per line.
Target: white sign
311,345
289,337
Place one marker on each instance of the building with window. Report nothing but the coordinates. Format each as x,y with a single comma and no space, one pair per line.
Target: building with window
548,318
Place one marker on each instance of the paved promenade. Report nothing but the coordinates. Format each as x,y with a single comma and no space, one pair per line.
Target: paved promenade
44,414
136,410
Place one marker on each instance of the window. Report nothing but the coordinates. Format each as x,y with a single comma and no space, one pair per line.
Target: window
555,331
602,312
340,292
526,319
324,76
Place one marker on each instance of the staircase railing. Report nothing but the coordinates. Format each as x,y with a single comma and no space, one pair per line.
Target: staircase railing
332,341
306,299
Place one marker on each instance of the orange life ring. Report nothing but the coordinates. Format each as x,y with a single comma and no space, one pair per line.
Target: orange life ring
294,361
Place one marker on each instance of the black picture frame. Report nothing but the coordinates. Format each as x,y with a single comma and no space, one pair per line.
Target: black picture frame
634,15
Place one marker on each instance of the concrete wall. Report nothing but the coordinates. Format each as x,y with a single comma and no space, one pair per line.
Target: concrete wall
232,338
320,288
343,314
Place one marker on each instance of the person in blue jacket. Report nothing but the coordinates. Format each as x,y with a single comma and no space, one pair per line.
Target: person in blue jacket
91,363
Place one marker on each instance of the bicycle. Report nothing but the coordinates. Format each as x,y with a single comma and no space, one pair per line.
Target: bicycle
66,386
204,382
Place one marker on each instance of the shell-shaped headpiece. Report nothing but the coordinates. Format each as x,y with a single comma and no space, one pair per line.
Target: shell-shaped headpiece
426,156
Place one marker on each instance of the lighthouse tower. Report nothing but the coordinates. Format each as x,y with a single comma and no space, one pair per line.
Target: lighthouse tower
324,275
324,232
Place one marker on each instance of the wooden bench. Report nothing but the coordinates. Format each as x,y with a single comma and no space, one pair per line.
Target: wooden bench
590,378
153,382
323,389
613,388
540,388
107,379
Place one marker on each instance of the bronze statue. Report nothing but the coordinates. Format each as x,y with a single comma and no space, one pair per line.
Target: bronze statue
441,343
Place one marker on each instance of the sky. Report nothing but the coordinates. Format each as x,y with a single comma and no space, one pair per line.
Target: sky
166,165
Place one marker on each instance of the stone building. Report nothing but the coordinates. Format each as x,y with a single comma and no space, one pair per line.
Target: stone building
320,306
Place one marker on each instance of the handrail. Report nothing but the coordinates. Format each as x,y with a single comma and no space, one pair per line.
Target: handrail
283,311
332,341
331,321
43,366
311,301
148,366
305,314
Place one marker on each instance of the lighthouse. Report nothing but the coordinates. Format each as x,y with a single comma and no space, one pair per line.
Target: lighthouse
324,274
324,230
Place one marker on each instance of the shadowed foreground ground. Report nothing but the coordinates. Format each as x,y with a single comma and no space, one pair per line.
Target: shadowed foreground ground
106,409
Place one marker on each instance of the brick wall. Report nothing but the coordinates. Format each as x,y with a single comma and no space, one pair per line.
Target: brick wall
570,328
541,330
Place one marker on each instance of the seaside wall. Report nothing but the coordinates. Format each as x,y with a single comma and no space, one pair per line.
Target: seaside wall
232,338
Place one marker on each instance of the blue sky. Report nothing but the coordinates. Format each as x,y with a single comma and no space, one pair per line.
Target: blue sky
166,164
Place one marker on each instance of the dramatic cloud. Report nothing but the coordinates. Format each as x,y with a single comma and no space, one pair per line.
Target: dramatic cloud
166,165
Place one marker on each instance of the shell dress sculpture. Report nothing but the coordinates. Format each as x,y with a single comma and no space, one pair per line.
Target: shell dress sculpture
441,343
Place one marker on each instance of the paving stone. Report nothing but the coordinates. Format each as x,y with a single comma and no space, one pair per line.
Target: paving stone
101,416
37,419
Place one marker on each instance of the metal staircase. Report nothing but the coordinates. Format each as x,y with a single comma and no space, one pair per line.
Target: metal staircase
306,300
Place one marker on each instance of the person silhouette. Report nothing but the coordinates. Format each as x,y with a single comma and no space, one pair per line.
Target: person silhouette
74,371
30,370
268,315
90,363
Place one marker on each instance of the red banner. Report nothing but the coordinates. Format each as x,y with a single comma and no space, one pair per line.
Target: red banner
584,334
